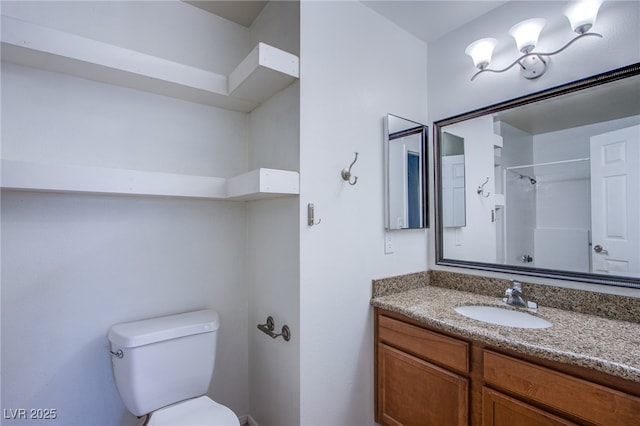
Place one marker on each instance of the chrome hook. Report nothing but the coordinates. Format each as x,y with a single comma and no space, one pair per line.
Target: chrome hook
481,189
346,173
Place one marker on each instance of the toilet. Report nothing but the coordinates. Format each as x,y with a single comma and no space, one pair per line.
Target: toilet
163,367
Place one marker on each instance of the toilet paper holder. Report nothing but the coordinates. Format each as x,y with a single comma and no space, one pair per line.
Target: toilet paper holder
270,325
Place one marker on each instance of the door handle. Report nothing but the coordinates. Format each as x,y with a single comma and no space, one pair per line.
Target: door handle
526,258
598,249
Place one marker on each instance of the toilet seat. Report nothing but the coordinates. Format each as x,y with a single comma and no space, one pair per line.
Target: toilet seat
201,411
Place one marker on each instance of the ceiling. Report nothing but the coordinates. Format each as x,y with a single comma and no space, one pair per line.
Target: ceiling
606,102
428,19
241,12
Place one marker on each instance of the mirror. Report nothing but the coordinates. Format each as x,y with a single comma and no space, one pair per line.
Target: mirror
405,174
547,184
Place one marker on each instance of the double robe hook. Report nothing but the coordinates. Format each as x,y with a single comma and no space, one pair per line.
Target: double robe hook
346,173
481,190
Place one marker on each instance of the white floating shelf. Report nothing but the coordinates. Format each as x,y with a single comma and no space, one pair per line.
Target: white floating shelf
263,183
266,70
256,184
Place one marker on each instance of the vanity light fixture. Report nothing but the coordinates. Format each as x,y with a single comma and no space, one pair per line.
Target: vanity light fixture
581,15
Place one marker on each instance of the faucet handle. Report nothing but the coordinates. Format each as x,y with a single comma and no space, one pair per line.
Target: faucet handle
516,285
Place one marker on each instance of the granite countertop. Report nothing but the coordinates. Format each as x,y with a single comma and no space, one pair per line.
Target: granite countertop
608,345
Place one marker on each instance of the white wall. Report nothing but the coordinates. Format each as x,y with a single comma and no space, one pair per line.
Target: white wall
273,237
567,204
618,21
575,142
355,68
167,29
274,273
564,204
73,265
55,118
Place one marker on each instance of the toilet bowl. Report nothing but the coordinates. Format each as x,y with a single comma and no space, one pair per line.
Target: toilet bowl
194,412
163,368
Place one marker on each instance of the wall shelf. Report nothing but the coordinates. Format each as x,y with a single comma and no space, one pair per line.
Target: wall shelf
262,183
264,72
256,184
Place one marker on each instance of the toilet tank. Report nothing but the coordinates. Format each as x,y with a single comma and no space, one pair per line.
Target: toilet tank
164,360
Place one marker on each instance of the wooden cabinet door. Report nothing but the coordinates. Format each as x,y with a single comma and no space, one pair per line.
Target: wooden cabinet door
414,392
501,410
578,398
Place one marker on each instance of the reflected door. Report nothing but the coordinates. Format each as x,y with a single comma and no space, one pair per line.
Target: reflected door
615,205
453,192
414,199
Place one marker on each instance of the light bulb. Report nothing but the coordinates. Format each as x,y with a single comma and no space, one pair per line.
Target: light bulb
481,51
582,14
526,33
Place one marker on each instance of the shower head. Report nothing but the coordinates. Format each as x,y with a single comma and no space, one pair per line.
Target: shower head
531,180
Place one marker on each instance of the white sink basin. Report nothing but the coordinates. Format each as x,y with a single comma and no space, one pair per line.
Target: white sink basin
503,316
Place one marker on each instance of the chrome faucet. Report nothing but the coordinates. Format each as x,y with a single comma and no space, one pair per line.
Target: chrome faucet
515,296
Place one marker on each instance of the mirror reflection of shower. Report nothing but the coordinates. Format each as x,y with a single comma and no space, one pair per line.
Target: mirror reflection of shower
539,193
531,180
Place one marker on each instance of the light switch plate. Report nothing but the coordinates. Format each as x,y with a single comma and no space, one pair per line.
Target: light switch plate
388,243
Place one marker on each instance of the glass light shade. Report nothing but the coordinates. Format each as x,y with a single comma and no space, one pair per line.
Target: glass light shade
582,14
481,51
526,33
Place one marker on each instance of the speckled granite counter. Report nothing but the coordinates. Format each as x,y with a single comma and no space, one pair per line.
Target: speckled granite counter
608,345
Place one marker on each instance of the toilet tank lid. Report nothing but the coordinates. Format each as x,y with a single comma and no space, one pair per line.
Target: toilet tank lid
139,333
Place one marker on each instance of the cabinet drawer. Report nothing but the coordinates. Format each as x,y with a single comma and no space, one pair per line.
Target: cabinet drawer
585,400
435,347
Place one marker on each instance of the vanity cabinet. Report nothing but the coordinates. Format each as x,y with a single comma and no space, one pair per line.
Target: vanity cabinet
421,376
426,377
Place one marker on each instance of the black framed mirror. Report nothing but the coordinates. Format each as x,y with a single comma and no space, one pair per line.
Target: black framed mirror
551,183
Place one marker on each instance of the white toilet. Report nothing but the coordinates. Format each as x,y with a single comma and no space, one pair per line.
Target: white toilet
163,368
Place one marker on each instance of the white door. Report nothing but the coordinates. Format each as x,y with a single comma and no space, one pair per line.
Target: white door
453,193
615,202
